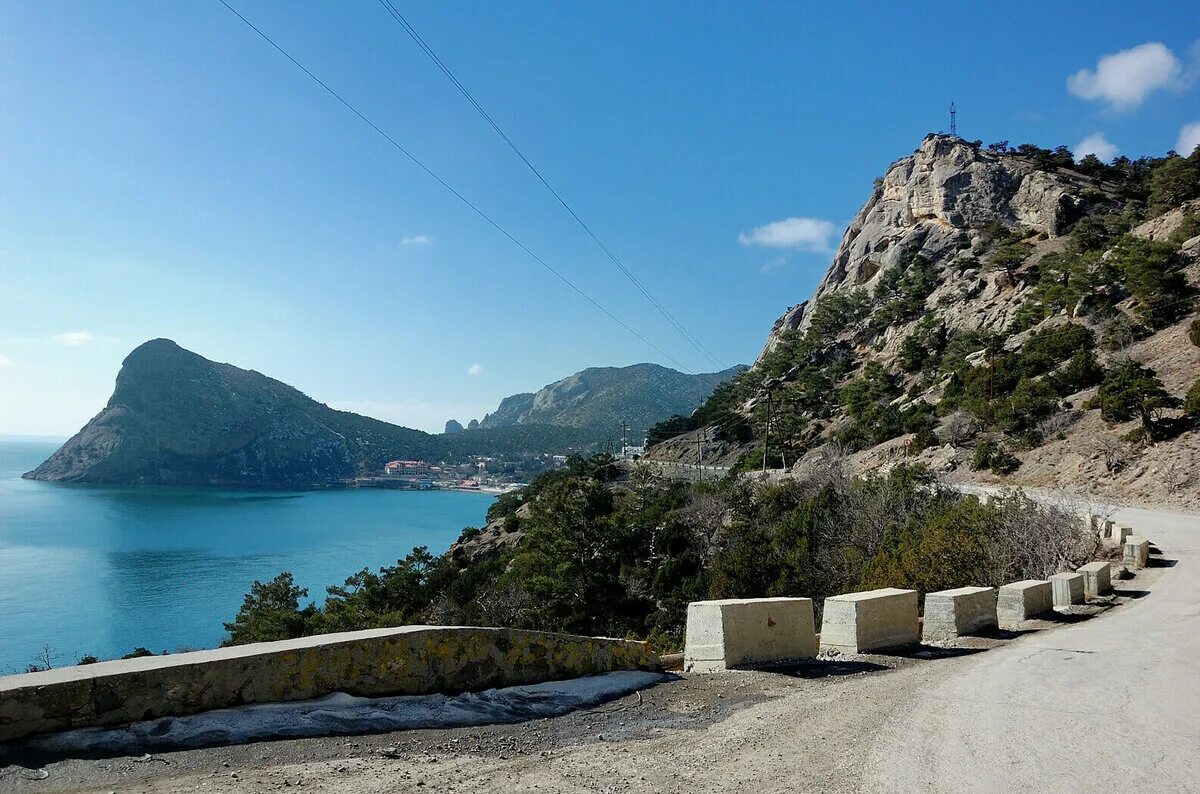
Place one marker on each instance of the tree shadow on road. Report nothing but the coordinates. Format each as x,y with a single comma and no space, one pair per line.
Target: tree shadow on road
925,652
823,668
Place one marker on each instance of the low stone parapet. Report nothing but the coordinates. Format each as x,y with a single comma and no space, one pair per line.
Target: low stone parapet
1097,579
870,621
747,632
410,660
1020,601
953,613
1137,551
1067,589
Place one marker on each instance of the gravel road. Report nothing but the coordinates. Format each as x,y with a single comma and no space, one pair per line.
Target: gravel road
1075,704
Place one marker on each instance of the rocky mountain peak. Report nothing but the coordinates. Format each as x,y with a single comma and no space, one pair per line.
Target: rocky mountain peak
935,203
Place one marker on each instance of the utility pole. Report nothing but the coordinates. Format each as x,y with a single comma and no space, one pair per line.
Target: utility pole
953,120
700,454
767,433
624,439
991,375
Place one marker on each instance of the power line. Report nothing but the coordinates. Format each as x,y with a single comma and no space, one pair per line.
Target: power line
475,208
440,64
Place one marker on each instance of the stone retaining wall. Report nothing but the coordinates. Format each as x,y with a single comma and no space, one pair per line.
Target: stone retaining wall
410,660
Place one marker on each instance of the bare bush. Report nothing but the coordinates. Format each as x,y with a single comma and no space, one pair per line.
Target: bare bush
1056,424
1116,453
958,428
1175,477
1040,538
705,514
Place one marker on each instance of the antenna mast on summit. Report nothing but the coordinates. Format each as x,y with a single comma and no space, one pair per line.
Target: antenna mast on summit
953,120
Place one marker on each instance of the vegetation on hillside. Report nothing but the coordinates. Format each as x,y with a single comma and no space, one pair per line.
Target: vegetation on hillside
1086,300
624,558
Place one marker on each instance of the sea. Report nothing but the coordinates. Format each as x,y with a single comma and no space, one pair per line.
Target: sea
100,570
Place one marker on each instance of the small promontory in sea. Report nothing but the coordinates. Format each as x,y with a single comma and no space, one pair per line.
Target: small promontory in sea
176,418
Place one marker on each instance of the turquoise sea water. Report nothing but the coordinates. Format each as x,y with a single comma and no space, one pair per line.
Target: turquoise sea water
103,569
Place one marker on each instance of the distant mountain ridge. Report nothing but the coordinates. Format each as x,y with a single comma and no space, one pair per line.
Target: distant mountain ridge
177,418
603,397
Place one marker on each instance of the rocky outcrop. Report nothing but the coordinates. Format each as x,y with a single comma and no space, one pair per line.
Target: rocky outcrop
604,397
510,411
495,536
934,203
453,426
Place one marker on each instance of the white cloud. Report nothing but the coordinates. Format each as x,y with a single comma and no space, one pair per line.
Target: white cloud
773,265
5,361
1098,145
1189,139
76,338
419,239
805,234
1123,79
475,369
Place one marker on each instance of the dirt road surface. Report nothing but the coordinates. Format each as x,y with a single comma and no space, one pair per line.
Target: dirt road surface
1110,698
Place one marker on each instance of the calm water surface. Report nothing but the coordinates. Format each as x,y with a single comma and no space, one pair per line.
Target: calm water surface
103,569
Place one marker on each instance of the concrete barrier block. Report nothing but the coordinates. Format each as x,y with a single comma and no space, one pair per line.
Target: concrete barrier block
1097,579
1021,601
1107,527
874,620
1119,534
1137,551
1067,588
749,631
964,610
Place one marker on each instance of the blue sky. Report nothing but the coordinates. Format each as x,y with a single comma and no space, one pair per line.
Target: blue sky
163,172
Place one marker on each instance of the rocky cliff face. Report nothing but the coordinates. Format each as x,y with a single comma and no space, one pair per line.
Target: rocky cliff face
917,341
178,418
936,203
603,397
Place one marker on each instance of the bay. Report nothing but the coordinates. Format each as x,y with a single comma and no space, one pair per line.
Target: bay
100,570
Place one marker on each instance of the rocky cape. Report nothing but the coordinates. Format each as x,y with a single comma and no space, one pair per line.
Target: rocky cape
177,418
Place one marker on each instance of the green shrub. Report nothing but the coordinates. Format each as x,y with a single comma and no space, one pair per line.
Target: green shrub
1194,332
1152,272
1081,372
992,455
1191,403
1132,392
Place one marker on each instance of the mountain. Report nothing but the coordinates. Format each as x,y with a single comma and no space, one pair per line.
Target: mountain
996,313
453,426
178,418
604,397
